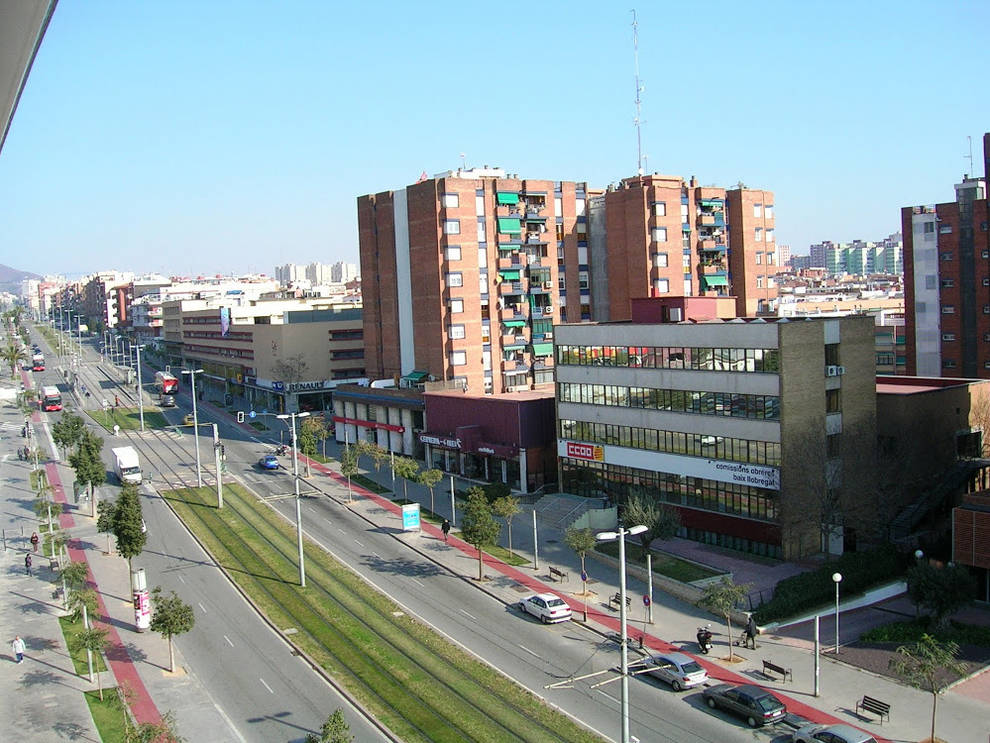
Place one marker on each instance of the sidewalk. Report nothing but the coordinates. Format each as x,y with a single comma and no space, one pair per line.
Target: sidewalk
962,717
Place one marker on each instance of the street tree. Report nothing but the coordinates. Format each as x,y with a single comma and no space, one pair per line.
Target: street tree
408,469
430,478
941,591
478,527
73,576
507,506
86,461
93,639
127,523
349,466
334,730
82,603
104,521
172,616
67,431
722,598
661,521
163,731
496,490
291,369
312,429
924,665
13,355
581,541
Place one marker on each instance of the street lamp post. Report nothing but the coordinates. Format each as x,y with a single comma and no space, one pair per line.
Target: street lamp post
837,579
295,476
140,390
192,381
621,535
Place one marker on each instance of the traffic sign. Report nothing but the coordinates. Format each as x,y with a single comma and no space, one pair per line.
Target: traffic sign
252,414
584,577
646,600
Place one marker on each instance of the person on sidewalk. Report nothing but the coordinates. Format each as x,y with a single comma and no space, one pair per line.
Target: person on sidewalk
17,646
445,528
751,632
27,563
34,541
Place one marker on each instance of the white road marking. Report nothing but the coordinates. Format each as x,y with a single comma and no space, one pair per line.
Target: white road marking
182,579
265,685
228,641
329,521
609,697
203,608
341,530
255,440
469,616
376,555
416,580
359,544
535,655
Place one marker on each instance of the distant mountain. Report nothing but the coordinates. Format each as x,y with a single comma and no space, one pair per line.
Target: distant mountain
11,278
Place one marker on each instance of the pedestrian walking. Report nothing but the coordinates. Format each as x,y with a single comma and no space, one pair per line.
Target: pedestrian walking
116,401
445,528
27,563
17,646
751,631
34,541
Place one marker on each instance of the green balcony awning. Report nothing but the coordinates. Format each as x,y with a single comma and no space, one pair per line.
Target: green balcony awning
715,280
543,349
712,202
416,376
502,197
514,323
509,273
509,225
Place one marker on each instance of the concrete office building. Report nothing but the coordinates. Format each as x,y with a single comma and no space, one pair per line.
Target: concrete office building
947,283
742,425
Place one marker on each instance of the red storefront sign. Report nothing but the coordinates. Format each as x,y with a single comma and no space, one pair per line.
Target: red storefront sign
585,451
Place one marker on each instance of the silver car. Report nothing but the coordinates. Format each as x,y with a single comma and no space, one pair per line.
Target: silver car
677,669
831,734
547,606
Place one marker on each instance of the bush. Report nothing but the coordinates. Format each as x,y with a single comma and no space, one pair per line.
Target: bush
860,571
912,630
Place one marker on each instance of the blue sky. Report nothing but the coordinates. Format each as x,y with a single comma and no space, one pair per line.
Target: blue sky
222,136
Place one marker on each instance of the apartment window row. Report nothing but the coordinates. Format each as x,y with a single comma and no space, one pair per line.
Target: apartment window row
346,335
217,335
236,353
729,404
673,442
357,353
692,492
209,320
676,357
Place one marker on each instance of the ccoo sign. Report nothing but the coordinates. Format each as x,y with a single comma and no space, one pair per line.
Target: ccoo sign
585,451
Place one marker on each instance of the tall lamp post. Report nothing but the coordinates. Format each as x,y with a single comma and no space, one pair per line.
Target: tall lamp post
295,476
837,579
140,390
192,381
620,535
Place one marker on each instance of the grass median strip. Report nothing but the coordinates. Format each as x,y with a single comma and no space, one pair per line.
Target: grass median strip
416,682
128,418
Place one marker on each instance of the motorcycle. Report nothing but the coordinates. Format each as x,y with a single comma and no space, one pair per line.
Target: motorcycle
282,450
704,637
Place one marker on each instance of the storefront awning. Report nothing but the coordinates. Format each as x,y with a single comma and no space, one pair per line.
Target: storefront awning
514,323
543,349
501,197
509,273
715,280
509,225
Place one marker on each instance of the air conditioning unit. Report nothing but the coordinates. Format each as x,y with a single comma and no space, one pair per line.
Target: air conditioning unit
831,371
548,285
840,370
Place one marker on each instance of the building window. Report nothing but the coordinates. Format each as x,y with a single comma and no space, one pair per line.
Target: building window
832,445
757,210
948,336
986,281
579,209
456,306
946,256
451,227
482,258
769,236
759,234
453,252
583,279
660,234
929,228
450,201
661,286
833,401
582,230
986,309
759,282
456,332
660,260
455,278
946,283
770,258
948,309
759,258
458,358
481,230
659,209
948,363
768,211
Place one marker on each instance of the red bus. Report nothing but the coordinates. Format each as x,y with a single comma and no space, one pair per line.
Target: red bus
165,383
51,398
38,362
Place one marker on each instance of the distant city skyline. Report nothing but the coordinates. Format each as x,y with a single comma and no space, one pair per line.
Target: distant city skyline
238,142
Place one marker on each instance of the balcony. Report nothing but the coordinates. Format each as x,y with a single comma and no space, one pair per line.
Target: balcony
540,311
711,246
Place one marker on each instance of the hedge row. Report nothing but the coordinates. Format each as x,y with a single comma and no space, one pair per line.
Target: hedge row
860,571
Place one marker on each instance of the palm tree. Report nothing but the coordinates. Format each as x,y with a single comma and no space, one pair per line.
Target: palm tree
13,354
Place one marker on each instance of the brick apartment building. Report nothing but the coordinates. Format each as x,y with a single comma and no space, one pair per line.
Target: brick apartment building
947,282
465,274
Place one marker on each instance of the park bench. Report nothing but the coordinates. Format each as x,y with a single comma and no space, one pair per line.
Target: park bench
875,706
771,667
616,601
558,575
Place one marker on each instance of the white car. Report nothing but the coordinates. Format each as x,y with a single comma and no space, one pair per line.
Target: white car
831,734
547,606
677,669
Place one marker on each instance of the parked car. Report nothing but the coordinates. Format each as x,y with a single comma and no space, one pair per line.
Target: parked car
677,669
268,462
547,606
755,705
831,734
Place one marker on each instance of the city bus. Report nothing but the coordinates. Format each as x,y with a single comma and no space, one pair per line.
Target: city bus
38,362
51,398
165,383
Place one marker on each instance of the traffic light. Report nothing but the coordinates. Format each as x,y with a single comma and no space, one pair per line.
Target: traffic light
240,416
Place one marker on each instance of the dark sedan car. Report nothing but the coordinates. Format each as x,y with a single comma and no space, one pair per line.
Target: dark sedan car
755,705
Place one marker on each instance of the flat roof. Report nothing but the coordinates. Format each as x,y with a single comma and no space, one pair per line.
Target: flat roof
521,395
902,385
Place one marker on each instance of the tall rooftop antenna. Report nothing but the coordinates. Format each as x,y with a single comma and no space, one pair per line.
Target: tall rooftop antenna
970,155
637,122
